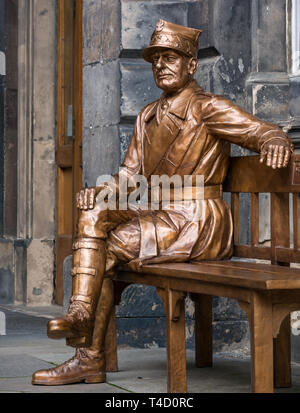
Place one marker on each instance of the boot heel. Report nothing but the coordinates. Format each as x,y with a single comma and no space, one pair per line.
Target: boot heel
79,342
96,378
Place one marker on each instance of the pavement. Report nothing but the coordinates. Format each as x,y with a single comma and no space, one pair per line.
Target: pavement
25,348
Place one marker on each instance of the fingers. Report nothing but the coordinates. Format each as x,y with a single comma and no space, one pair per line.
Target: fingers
287,156
263,155
85,199
269,155
80,204
278,156
91,198
275,157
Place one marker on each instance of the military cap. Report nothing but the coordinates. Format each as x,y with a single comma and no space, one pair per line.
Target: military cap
173,36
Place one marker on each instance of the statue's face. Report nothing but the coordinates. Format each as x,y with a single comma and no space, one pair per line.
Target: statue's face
172,70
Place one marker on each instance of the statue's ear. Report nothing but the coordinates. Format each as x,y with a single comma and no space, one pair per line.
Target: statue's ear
193,65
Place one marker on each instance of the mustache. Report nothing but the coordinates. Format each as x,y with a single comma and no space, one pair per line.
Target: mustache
161,72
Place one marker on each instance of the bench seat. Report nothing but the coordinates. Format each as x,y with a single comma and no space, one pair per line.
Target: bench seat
267,293
234,273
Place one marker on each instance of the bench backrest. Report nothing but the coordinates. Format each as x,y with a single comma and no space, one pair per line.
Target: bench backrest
248,175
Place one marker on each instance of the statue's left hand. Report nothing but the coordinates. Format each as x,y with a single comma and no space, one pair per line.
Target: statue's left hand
277,153
85,199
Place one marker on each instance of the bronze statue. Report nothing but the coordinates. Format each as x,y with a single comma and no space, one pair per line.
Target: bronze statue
186,132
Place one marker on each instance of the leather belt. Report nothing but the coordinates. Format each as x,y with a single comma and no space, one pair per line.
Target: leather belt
186,194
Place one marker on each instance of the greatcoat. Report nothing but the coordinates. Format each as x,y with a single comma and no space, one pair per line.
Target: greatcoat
192,137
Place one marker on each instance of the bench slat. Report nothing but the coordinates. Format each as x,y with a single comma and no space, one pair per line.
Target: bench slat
247,174
241,274
280,223
235,207
247,251
296,220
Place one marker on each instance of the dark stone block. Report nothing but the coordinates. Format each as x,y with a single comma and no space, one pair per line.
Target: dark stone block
151,332
11,42
140,301
269,35
137,87
230,26
11,159
20,270
111,30
125,132
271,102
199,17
143,301
204,74
295,344
2,39
92,26
228,79
101,31
96,161
230,23
1,154
228,333
101,95
295,96
139,19
6,286
225,309
141,332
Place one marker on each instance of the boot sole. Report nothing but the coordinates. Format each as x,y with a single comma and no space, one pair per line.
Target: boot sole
93,378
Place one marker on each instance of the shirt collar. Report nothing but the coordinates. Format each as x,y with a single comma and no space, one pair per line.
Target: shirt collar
178,104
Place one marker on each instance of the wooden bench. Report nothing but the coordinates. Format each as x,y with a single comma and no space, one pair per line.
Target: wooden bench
268,293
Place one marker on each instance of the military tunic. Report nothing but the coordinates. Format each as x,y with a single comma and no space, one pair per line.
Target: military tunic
187,134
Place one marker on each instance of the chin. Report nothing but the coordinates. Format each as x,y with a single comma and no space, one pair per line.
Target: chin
167,87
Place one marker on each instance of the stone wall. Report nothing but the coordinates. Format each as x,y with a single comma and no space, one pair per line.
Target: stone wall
8,145
27,150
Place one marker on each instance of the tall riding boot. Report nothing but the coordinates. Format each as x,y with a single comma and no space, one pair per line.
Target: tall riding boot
89,259
88,364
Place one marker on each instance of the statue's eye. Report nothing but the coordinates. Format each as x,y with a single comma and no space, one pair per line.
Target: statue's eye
170,59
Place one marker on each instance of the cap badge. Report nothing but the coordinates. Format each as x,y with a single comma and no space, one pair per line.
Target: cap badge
159,26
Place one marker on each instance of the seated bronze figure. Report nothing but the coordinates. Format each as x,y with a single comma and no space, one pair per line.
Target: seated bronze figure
186,132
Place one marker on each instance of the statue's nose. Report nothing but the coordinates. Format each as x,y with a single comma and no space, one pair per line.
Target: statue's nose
159,63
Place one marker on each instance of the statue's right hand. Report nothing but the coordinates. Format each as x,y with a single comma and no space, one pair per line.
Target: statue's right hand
86,198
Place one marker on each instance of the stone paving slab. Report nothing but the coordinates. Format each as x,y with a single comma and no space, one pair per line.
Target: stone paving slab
144,371
140,370
19,365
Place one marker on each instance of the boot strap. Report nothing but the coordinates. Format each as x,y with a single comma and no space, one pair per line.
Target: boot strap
83,270
84,298
93,245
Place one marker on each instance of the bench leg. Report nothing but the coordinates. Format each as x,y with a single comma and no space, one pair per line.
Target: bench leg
261,336
111,354
203,330
282,355
175,333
